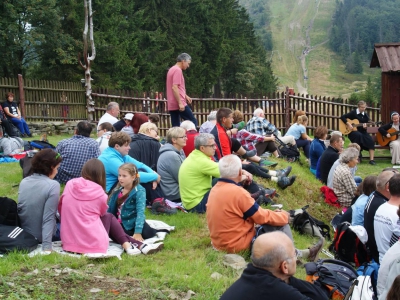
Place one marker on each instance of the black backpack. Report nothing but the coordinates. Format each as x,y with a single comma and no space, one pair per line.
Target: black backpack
337,276
289,152
8,212
304,223
15,238
347,246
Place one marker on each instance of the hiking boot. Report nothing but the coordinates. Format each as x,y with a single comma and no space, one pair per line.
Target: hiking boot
133,251
372,162
160,207
284,182
267,163
284,172
262,199
24,135
250,153
151,248
315,250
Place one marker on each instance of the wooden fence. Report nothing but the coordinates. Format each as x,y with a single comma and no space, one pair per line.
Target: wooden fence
43,100
62,101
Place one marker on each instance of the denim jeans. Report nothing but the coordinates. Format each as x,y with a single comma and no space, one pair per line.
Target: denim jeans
21,124
201,207
187,114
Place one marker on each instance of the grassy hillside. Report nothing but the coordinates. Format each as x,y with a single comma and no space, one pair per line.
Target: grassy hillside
301,57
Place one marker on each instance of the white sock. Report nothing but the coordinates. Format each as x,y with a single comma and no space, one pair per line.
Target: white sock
272,173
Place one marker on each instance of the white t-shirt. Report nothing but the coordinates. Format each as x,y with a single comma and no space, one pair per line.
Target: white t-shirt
103,141
388,260
107,118
386,228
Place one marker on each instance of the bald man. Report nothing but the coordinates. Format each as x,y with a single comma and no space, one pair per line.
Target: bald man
270,274
377,198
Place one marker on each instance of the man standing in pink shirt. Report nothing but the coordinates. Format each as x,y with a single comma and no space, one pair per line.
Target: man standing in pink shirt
177,98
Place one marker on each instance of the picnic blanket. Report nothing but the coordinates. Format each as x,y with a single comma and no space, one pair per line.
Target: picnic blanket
114,250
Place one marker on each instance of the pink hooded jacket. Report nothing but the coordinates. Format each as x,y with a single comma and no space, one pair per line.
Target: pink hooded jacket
81,205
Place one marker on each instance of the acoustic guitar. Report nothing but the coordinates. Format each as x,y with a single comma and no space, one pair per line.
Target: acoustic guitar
355,123
383,140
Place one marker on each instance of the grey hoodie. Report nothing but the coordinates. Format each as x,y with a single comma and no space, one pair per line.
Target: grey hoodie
168,165
9,145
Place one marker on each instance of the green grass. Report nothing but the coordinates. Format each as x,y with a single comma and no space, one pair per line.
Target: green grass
186,263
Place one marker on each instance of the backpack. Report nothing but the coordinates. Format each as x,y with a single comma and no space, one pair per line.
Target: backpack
15,238
347,246
370,269
304,223
361,289
337,276
9,212
41,145
289,152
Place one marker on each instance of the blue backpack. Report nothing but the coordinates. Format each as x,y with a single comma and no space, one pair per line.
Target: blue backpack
371,269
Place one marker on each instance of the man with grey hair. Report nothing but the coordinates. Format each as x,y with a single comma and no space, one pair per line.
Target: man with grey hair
232,213
207,126
177,99
111,114
191,134
260,125
196,173
377,198
270,275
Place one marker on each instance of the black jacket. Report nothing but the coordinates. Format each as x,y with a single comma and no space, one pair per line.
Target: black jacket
119,125
145,149
328,158
260,284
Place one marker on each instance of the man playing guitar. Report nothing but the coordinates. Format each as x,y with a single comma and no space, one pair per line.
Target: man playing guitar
390,133
361,137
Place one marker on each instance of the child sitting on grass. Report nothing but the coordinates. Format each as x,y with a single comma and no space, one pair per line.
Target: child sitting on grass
128,204
86,225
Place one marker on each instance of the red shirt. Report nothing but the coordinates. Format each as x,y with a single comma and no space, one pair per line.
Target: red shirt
191,135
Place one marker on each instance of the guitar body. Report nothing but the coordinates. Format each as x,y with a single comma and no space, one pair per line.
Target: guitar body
384,140
344,129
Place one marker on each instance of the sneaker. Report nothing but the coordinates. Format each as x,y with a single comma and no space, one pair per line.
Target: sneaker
315,250
267,163
284,182
151,248
284,172
264,200
372,162
250,153
160,207
133,251
270,192
161,235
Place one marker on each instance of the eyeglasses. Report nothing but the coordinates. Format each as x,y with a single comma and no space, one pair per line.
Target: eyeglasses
213,145
182,137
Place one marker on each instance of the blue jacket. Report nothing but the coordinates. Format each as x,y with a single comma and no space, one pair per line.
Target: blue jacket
112,160
132,212
317,147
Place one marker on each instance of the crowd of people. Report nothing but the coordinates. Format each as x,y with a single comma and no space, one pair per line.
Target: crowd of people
110,181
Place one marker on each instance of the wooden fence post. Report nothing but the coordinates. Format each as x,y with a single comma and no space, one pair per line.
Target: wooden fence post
21,94
287,108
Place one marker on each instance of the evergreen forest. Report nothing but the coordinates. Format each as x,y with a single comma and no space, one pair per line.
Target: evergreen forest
136,42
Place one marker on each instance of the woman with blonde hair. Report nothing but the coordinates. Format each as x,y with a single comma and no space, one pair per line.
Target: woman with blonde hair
299,132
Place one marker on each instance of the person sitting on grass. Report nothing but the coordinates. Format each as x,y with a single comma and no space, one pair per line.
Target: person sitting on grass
270,275
190,134
104,133
299,132
38,196
86,225
225,146
169,162
251,141
344,185
317,147
125,121
207,126
232,214
128,203
368,187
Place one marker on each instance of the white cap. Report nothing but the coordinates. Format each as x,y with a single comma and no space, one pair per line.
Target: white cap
128,116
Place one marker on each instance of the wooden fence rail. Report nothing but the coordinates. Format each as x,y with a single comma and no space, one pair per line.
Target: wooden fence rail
63,101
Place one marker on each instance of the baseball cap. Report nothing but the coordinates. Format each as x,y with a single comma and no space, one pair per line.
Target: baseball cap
128,116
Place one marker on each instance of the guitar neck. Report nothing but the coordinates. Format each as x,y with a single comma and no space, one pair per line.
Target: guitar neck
362,124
